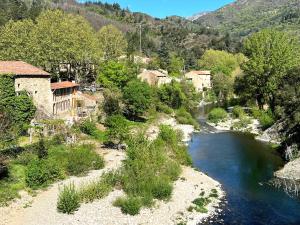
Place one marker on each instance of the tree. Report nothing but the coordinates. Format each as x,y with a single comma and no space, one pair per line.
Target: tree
176,66
112,101
112,42
137,98
116,74
118,128
222,85
19,107
220,62
164,56
271,55
55,38
172,95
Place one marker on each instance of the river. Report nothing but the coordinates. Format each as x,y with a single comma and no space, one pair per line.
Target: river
244,166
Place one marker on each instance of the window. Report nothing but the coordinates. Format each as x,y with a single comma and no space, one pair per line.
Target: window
35,92
18,85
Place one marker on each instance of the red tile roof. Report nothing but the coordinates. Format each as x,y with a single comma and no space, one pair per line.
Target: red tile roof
63,84
20,68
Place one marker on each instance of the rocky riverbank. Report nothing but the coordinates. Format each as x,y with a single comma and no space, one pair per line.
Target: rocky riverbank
192,184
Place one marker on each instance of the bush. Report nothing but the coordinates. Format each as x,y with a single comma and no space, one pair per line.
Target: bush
118,128
88,127
68,200
25,158
265,118
184,117
82,159
40,173
160,107
162,189
238,112
129,205
216,115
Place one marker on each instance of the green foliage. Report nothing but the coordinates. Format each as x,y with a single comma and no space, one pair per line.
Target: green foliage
184,117
265,118
271,55
55,37
216,115
176,66
19,108
40,173
130,205
220,62
68,200
10,186
162,189
116,74
82,159
238,112
100,188
138,98
88,127
25,158
112,101
112,42
160,107
118,128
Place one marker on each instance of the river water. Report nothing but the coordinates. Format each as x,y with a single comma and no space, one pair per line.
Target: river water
244,166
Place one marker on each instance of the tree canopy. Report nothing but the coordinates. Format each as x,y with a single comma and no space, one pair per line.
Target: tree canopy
271,55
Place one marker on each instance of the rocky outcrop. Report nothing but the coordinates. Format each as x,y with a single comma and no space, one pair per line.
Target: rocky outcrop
273,134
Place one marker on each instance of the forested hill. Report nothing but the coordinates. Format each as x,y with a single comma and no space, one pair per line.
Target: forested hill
247,16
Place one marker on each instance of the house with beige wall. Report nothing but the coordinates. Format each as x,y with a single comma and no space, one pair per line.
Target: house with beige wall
52,99
201,79
155,77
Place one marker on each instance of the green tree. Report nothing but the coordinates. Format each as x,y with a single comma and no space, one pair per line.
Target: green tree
116,74
118,128
172,95
112,42
164,56
112,104
271,55
55,38
176,66
223,85
137,98
220,62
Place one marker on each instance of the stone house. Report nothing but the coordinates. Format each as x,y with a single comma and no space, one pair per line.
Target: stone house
200,79
51,99
155,77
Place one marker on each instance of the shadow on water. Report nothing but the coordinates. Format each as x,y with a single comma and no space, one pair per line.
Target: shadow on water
244,166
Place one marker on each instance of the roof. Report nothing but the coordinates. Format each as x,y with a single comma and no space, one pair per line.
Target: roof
20,68
200,72
62,85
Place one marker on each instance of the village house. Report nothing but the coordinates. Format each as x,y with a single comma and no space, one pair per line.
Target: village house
155,77
51,99
200,79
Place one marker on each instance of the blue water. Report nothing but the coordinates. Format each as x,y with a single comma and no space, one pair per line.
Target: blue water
244,166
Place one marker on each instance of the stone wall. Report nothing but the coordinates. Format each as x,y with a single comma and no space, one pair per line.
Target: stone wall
39,89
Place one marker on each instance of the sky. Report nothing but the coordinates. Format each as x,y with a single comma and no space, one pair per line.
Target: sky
163,8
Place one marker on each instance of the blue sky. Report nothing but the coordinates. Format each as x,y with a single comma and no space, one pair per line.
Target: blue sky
163,8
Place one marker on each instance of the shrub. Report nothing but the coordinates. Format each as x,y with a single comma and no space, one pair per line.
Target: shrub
95,190
216,115
184,117
68,200
162,189
118,128
83,158
266,119
238,112
25,158
88,127
129,205
160,107
40,173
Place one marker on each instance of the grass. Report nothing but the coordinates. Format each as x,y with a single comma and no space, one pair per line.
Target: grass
68,200
129,205
184,117
27,171
216,115
199,204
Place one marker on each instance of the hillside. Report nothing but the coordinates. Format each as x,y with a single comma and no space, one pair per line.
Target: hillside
246,16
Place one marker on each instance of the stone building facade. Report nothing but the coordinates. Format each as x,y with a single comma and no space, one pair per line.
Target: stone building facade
200,79
155,77
53,99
